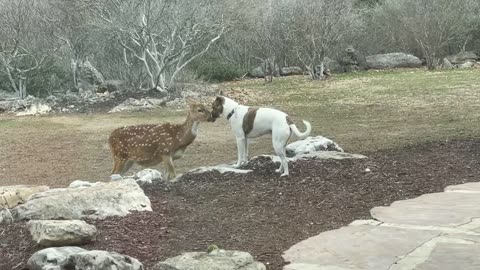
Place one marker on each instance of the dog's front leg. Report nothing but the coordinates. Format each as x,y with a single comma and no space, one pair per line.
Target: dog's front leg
240,152
245,155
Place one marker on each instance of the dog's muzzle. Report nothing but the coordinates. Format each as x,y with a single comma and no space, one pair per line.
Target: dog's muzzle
212,118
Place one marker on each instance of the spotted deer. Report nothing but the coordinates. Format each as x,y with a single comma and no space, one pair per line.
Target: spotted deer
149,145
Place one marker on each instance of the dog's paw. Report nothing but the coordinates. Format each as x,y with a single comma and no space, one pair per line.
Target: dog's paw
239,164
278,170
284,175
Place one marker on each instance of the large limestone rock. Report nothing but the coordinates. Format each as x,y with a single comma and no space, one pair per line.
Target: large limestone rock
57,233
466,65
393,60
353,60
462,57
11,196
131,105
102,260
51,258
446,64
36,109
312,144
257,72
101,200
218,259
80,259
333,65
90,74
114,85
290,71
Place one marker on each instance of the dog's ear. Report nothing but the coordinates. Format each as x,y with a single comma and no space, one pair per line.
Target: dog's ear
219,100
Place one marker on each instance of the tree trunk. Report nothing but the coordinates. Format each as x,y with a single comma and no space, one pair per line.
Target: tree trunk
9,74
431,61
22,87
161,81
319,70
74,68
268,71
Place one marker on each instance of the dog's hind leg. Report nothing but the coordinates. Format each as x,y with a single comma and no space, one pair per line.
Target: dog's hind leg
279,141
245,155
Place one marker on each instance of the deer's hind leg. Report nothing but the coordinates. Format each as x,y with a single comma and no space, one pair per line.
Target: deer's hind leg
170,168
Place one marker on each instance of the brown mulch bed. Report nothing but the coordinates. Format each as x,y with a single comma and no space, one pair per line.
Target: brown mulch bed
263,214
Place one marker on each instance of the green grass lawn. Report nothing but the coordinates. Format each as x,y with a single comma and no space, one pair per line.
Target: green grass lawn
362,112
381,109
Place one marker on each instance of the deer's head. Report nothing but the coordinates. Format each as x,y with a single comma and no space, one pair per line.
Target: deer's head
199,113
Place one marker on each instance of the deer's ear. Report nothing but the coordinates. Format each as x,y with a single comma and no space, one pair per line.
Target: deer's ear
190,101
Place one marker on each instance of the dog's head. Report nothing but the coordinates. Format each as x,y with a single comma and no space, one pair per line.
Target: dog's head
217,108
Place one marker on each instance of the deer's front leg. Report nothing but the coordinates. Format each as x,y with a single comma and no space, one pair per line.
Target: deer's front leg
118,166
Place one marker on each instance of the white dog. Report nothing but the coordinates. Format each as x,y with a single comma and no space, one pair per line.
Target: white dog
248,122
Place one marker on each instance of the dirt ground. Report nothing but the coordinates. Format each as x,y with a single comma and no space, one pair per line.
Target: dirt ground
59,149
263,214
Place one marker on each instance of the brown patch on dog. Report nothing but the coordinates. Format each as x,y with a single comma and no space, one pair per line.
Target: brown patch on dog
248,120
289,120
217,107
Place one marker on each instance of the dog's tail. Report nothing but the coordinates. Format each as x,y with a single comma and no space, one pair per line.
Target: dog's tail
299,134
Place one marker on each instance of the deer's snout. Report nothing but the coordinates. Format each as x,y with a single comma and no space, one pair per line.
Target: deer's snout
211,118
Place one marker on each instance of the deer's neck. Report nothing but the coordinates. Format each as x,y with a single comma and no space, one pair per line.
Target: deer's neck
189,130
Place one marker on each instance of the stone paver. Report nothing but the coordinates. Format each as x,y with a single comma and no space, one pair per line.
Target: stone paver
438,231
436,209
465,188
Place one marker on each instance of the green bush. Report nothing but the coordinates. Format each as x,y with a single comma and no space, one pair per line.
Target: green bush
217,70
50,77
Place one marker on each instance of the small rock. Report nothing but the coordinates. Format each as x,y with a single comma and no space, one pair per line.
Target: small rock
367,170
217,259
222,168
50,233
312,144
148,176
80,183
5,216
115,177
